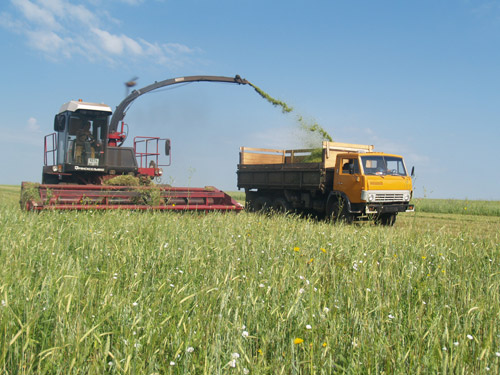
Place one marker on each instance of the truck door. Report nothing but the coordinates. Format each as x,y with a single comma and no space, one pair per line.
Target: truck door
348,177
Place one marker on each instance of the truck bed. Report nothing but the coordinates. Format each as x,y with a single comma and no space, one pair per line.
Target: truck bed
297,176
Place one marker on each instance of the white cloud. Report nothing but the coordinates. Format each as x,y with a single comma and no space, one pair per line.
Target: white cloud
36,14
61,29
44,40
132,2
33,126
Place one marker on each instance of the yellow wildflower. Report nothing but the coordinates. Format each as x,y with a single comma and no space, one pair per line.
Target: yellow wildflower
323,250
324,345
296,248
298,341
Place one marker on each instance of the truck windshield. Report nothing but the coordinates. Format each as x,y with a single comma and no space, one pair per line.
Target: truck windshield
383,165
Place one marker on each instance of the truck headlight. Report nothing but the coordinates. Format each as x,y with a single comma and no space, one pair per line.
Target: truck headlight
406,196
366,196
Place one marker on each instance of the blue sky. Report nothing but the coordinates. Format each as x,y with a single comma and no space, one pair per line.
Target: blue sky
420,79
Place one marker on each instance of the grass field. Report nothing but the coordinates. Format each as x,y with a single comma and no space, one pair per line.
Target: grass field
168,293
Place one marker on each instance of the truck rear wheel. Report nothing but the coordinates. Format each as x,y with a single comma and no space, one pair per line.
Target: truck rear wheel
261,204
281,205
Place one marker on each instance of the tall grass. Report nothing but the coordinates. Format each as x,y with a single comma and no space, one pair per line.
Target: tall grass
455,206
146,292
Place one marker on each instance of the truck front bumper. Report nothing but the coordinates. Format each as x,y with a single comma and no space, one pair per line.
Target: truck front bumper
382,208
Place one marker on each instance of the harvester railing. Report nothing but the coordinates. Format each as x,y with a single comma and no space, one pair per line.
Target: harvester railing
50,138
147,150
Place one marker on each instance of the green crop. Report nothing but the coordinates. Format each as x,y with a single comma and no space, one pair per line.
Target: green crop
181,293
317,132
277,103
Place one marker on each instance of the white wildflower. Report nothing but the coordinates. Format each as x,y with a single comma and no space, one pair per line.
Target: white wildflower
391,316
308,326
235,355
190,349
470,337
232,363
445,348
456,343
135,304
261,285
497,354
244,334
172,363
326,309
301,291
246,371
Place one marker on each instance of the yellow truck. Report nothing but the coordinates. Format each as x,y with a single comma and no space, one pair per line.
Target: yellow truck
339,181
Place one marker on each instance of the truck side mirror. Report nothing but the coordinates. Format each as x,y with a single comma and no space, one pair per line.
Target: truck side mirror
413,171
167,147
59,122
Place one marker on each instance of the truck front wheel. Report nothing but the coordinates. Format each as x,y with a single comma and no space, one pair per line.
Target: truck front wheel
387,219
336,210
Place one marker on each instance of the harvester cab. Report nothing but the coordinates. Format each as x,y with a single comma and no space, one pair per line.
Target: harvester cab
81,150
81,134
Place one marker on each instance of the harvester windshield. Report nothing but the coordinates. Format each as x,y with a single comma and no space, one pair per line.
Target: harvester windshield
383,165
87,134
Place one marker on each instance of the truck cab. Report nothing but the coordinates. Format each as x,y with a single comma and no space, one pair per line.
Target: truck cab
372,184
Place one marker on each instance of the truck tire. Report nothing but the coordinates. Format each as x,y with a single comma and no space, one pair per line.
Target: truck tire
261,204
336,210
387,219
281,205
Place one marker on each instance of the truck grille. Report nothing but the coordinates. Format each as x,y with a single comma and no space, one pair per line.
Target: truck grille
388,197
